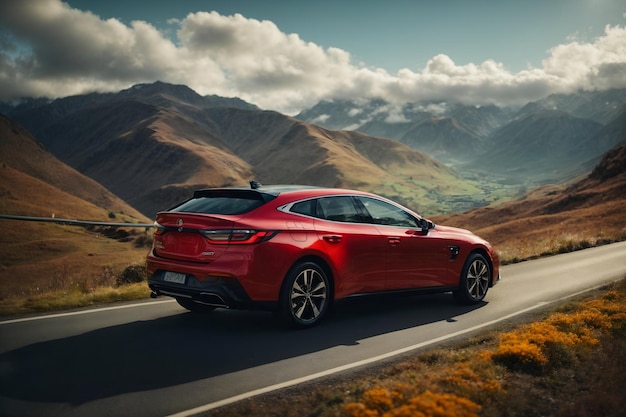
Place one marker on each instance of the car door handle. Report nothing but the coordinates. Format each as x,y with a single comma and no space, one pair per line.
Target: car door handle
393,240
332,238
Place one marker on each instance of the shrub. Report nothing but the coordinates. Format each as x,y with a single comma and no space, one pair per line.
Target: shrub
532,347
464,380
557,340
380,402
132,274
143,241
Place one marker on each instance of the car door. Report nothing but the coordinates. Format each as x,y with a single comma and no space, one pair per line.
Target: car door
355,247
413,259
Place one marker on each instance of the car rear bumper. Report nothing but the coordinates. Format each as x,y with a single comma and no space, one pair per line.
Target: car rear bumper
214,291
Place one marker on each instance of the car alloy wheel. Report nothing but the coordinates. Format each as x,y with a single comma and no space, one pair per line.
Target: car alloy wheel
474,280
305,295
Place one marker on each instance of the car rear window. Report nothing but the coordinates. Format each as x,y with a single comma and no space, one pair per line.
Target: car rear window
222,203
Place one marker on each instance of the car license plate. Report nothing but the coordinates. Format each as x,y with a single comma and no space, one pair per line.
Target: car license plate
174,277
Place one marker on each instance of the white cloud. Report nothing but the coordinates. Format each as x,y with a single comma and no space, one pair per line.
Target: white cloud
49,49
321,119
354,112
396,117
590,65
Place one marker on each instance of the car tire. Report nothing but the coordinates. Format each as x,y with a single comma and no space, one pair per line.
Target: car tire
474,281
193,306
305,296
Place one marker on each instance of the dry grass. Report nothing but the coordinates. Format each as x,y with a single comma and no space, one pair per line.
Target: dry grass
569,362
47,267
80,294
553,245
550,220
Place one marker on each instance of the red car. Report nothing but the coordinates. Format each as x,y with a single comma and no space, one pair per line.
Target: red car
297,249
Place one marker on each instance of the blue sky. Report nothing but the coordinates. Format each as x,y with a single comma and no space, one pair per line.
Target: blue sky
287,55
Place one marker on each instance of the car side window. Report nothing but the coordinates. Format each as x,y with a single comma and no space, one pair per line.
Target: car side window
307,207
339,209
387,214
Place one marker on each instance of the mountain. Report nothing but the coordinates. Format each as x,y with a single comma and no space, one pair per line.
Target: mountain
153,144
35,183
492,140
37,256
553,218
600,106
441,137
345,114
613,133
445,131
450,133
547,146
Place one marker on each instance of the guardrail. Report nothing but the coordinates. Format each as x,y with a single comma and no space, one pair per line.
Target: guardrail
73,222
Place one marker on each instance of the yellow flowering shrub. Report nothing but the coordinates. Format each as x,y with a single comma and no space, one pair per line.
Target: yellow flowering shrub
427,404
555,340
378,399
464,380
532,347
455,384
519,354
613,306
359,410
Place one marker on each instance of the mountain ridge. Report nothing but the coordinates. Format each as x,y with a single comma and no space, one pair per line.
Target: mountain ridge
152,144
24,159
469,137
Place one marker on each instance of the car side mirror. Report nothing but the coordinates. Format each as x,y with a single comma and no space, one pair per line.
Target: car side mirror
425,226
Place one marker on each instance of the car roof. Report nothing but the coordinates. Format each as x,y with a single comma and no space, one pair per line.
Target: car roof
275,190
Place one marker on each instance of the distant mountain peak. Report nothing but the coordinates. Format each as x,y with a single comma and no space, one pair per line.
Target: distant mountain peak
158,87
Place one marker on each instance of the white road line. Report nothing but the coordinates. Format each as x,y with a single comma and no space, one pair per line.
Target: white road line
77,313
363,362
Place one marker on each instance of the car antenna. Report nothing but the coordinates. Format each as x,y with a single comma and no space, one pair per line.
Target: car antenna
255,185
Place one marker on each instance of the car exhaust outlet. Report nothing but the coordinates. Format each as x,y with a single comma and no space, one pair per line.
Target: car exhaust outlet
154,294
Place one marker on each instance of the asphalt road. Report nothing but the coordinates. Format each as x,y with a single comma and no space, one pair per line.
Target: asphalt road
155,359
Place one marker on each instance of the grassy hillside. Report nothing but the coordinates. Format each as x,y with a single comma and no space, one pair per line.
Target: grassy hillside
38,257
556,218
20,151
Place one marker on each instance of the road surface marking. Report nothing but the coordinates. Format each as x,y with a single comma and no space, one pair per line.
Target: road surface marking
77,313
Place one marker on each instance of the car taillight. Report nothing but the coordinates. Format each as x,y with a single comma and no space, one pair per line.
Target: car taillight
159,229
237,236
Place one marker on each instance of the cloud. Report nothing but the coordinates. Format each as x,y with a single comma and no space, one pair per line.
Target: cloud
49,49
590,66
